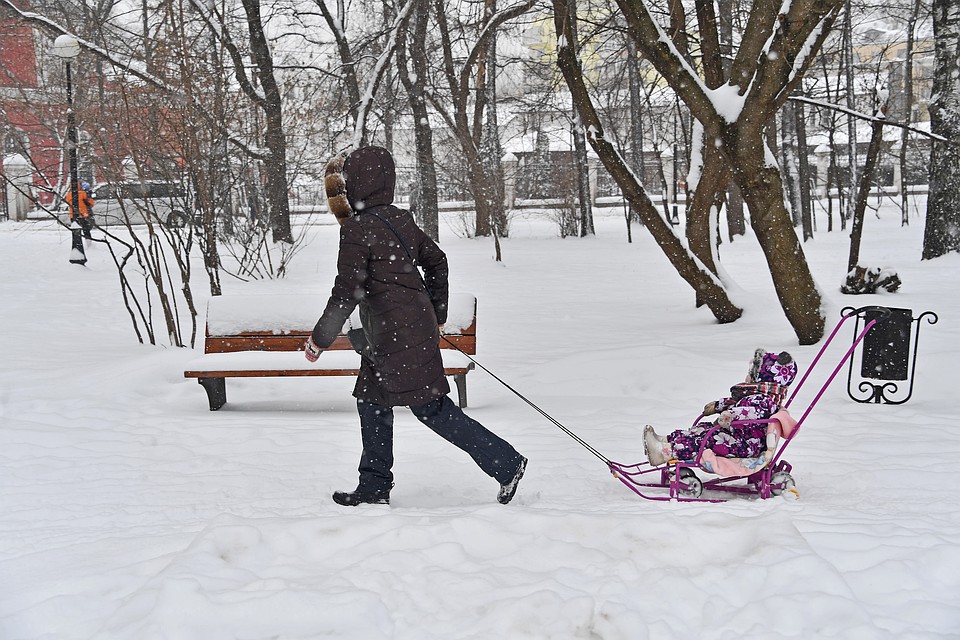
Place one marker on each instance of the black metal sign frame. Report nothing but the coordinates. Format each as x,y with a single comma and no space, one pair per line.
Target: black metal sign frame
878,392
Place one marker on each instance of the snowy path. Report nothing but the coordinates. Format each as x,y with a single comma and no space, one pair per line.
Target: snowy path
131,511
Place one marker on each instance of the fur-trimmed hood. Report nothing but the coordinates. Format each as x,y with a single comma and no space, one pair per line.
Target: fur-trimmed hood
336,188
366,178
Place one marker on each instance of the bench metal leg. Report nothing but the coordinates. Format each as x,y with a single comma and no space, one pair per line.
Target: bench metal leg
461,380
216,389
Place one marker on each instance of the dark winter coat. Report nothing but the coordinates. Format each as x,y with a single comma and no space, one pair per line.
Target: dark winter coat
400,318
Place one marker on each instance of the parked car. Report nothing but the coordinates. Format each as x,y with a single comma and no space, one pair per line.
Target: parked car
119,203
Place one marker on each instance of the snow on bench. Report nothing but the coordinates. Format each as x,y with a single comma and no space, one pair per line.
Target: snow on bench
259,336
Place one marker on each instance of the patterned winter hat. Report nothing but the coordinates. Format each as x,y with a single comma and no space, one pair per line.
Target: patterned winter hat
772,367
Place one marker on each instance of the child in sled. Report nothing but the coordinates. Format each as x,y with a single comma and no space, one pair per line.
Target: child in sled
758,398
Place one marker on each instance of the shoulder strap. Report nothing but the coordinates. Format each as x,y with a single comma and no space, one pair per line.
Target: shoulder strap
402,243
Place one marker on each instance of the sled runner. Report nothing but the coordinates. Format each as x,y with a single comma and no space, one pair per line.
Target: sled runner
767,475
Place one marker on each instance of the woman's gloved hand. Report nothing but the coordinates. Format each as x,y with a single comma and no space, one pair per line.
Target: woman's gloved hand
311,351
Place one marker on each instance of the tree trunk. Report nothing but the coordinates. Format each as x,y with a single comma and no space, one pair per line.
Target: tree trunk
428,209
850,94
491,152
791,164
863,193
702,282
274,137
707,286
636,123
907,114
833,177
581,166
762,190
276,169
707,197
736,224
942,233
485,208
806,206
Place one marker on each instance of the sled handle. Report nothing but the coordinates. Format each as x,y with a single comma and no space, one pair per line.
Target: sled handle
840,364
853,313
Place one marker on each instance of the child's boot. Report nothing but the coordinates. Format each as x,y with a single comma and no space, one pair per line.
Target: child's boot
656,447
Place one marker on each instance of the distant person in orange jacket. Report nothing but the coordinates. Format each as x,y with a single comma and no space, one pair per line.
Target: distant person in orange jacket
84,210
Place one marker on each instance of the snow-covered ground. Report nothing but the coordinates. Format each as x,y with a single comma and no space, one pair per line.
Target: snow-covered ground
128,510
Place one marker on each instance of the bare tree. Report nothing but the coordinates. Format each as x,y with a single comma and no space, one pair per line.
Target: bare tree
850,95
267,99
689,268
348,72
907,101
942,232
580,149
413,74
777,46
866,178
465,105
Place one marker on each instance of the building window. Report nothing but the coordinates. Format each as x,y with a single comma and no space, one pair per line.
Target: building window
16,142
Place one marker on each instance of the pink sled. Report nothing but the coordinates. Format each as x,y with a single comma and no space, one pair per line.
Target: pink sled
765,476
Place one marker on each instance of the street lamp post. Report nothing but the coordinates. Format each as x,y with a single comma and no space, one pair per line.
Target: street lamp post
67,47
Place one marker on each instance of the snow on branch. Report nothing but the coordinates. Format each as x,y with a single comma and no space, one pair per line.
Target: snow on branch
130,66
496,20
871,118
678,57
809,45
797,54
134,67
662,52
366,102
218,28
766,49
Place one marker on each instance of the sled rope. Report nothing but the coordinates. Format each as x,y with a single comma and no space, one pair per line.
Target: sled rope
546,415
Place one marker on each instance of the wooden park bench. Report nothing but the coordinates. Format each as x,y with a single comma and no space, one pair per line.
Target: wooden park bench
262,336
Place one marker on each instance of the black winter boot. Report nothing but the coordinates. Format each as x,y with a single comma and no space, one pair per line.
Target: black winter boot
360,496
508,489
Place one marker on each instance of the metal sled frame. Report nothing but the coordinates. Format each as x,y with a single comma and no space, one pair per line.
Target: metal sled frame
679,477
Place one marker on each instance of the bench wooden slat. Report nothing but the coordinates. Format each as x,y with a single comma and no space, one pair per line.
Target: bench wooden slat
294,342
293,373
266,342
279,353
294,363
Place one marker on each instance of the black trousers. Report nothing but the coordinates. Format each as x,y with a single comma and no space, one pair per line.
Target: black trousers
86,225
494,455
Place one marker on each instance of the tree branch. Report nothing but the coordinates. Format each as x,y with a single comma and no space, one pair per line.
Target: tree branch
657,47
130,66
379,69
346,57
871,119
221,33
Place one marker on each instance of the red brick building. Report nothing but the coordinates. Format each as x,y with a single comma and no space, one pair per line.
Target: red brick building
29,119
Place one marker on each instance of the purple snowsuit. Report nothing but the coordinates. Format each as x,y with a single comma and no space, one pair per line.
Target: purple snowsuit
750,401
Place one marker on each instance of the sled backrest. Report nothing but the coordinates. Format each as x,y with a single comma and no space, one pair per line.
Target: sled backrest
784,423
